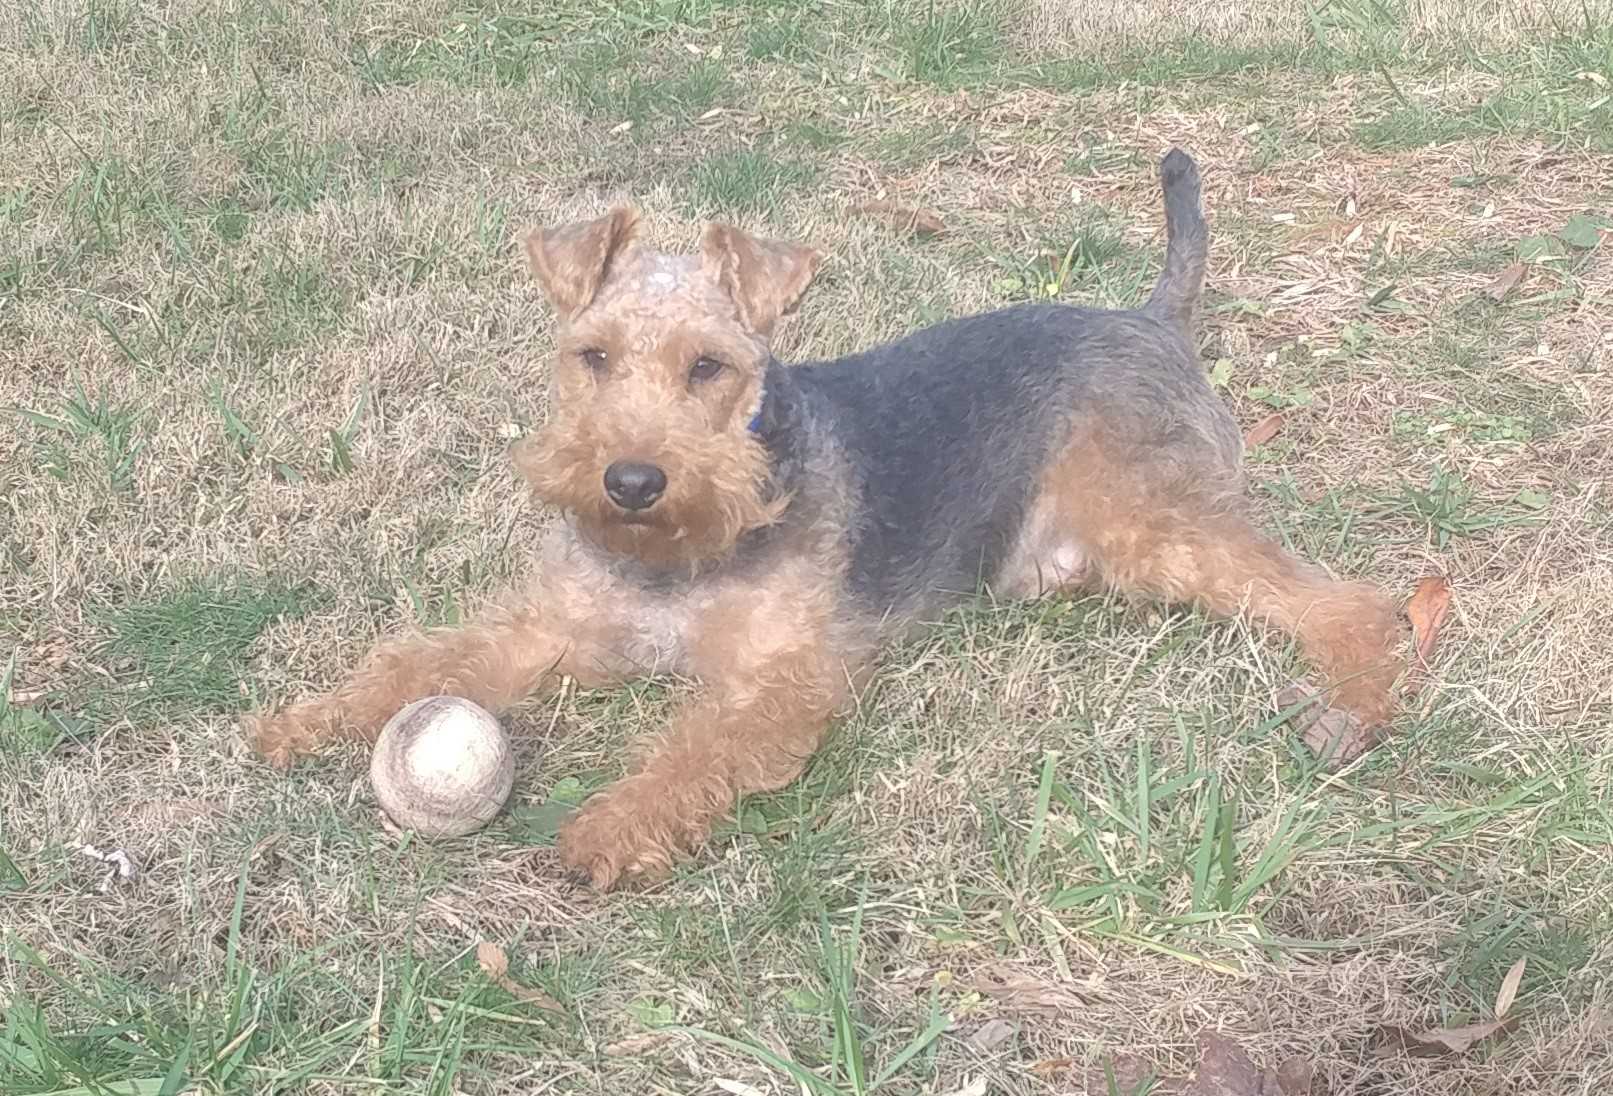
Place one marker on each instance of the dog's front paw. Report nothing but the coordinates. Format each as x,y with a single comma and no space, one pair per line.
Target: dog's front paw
281,737
617,837
272,740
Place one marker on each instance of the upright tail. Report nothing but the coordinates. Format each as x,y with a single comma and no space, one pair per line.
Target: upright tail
1187,242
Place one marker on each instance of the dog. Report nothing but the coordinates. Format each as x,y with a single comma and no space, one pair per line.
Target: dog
765,528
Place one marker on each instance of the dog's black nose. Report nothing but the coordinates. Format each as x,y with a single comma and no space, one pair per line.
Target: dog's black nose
634,486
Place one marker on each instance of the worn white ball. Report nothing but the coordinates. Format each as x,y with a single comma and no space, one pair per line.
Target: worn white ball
442,767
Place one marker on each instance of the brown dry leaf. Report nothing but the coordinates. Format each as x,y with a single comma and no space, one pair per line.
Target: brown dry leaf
1225,1070
1422,1044
1509,988
634,1045
1504,281
1430,604
1335,735
1264,430
491,958
920,222
1048,1068
496,965
535,997
1019,992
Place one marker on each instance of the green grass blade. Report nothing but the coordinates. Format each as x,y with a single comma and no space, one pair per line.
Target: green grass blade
1228,855
1044,796
1143,805
794,1070
1204,854
176,1078
932,1031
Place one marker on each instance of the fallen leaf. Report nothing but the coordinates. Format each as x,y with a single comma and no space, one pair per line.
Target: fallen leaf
534,997
1504,281
920,222
991,1034
496,965
1336,736
652,1012
1429,605
1048,1068
1422,1044
1225,1070
539,823
976,1087
738,1088
638,1044
1020,992
1264,430
1509,988
1582,232
1541,249
491,958
1531,499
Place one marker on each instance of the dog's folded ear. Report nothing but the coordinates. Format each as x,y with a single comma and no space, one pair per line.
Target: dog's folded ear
572,261
765,278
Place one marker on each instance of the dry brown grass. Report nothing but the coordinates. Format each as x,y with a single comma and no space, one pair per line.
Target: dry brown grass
1095,26
375,263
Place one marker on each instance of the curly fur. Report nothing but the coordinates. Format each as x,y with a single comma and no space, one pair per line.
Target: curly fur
716,488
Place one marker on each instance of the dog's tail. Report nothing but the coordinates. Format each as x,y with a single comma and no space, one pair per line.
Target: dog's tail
1187,243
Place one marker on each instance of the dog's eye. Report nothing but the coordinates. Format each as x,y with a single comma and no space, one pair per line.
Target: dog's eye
594,359
704,369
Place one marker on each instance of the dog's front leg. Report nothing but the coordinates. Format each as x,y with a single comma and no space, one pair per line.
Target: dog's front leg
771,685
567,623
717,749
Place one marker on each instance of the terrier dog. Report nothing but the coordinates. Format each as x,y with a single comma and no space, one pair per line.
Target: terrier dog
764,528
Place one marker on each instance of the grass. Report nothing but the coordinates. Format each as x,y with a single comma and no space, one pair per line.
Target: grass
741,183
268,336
86,429
186,648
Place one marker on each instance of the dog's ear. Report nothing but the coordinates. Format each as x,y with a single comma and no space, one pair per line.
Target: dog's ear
766,278
571,261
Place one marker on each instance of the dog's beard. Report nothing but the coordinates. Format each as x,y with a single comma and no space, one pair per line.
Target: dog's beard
714,494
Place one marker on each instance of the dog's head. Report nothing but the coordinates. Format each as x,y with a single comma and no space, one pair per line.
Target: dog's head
658,385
